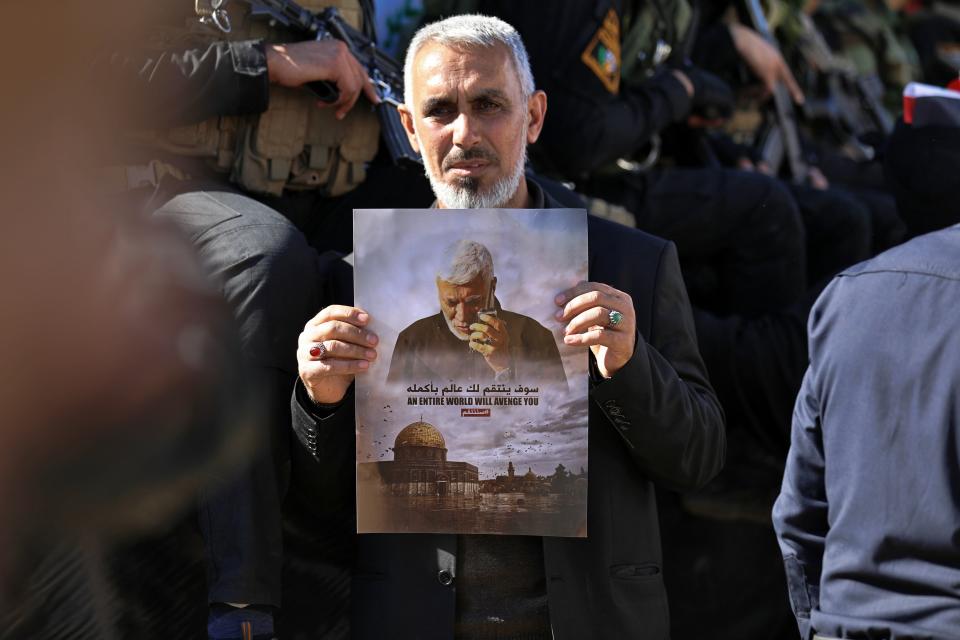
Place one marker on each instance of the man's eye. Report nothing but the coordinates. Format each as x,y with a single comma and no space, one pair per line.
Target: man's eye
487,105
439,112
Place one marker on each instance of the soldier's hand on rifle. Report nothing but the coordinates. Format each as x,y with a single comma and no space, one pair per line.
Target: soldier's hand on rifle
333,347
489,337
295,64
764,61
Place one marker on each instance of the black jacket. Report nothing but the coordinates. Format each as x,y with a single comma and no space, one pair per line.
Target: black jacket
657,420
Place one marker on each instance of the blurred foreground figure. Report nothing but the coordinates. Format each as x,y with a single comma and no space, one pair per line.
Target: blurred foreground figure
867,516
116,354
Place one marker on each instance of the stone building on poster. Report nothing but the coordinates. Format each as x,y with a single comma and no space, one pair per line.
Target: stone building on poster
420,467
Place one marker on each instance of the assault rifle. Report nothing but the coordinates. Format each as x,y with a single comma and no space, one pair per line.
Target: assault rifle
853,105
385,72
782,139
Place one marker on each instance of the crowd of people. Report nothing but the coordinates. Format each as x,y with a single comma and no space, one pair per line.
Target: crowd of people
744,164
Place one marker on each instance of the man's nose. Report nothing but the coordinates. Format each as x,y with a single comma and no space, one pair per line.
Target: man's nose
466,131
460,312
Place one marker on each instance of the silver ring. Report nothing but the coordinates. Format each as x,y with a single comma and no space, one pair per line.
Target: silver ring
614,317
222,19
322,348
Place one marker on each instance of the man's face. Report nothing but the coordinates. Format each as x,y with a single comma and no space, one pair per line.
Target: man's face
471,123
461,303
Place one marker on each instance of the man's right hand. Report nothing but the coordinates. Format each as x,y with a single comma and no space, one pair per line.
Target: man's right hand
348,349
295,64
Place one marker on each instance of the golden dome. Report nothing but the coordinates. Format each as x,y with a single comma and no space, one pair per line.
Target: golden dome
420,434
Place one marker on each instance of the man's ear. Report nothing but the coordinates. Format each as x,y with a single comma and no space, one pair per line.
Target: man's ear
536,112
406,118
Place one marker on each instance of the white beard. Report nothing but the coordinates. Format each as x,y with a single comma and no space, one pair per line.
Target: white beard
467,196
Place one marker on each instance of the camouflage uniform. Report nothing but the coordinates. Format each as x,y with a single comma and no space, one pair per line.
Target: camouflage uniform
871,36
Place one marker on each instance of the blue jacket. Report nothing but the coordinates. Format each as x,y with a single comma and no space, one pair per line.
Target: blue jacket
868,518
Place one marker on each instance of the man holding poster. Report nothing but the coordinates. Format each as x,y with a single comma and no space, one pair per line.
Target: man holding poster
471,110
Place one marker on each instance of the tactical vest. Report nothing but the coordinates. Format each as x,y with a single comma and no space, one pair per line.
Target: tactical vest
294,144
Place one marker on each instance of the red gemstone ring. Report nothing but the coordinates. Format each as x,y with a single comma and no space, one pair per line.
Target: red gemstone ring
319,350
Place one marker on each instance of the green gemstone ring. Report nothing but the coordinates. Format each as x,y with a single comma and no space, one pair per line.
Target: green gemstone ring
615,318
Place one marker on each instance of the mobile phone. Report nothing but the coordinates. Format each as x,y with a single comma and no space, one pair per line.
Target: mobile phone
490,311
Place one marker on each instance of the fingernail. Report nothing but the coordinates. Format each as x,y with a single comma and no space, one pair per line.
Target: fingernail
558,315
372,339
363,317
561,299
363,364
370,354
569,339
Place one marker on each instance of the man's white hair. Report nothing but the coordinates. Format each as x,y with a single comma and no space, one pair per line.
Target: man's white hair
470,31
463,261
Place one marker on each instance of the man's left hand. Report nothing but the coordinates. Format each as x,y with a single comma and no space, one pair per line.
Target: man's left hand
588,310
489,337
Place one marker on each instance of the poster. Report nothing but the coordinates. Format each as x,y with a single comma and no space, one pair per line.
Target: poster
473,418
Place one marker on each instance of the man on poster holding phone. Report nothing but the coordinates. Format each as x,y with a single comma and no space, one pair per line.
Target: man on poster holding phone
472,337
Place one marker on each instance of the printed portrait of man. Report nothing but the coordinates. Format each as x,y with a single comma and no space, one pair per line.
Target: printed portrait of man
472,338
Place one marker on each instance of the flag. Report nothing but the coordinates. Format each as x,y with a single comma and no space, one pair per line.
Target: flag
926,105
